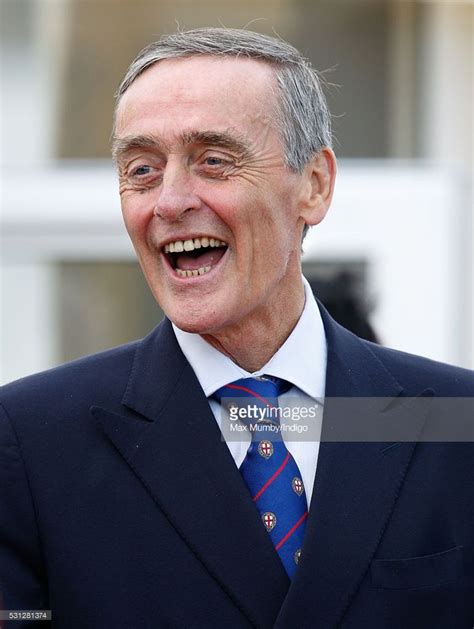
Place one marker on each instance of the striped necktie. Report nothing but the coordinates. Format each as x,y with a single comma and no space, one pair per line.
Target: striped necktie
269,470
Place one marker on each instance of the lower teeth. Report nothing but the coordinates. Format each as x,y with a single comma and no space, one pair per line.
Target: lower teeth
194,272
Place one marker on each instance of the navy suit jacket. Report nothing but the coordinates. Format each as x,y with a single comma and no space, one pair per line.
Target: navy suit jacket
121,506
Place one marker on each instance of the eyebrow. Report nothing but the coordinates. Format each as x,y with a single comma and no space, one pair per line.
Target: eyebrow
223,139
128,143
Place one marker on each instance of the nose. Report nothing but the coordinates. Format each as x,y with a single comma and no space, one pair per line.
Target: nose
175,193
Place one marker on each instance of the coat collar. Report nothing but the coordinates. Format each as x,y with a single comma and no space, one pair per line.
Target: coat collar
168,431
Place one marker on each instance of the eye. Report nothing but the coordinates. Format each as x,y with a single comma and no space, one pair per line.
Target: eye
213,160
143,175
141,171
215,164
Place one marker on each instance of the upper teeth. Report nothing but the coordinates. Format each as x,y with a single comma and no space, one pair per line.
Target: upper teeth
196,243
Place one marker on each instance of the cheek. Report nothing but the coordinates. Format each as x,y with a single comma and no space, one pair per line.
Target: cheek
136,218
240,210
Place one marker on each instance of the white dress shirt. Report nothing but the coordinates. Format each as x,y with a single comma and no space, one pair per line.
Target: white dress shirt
301,360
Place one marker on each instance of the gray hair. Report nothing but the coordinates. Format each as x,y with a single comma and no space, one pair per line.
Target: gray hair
303,118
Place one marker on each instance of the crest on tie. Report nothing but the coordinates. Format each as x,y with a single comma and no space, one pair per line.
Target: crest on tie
297,485
269,520
265,449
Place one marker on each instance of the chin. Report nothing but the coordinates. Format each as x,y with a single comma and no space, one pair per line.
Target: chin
200,321
193,327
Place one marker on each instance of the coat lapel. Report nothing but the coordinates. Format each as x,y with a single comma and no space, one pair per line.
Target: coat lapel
169,437
355,489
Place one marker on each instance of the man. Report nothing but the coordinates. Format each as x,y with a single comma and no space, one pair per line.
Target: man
122,505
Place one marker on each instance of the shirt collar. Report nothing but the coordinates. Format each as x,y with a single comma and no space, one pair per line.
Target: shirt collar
301,359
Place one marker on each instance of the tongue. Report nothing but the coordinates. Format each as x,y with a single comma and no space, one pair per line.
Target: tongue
187,262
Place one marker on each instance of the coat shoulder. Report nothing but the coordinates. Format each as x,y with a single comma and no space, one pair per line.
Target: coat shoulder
415,372
71,385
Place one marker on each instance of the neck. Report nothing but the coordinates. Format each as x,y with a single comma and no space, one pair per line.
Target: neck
251,343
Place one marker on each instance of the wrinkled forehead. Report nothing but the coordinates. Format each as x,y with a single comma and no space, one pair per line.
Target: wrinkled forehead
230,85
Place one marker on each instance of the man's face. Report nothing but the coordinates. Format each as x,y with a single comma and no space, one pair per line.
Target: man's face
200,161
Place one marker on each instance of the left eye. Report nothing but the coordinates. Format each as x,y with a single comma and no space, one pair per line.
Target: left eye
215,161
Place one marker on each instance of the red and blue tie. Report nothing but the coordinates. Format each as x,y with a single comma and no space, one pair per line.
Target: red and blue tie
269,470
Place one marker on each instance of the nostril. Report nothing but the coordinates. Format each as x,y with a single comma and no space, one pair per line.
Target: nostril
167,213
162,214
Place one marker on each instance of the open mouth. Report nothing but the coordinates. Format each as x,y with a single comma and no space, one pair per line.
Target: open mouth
196,256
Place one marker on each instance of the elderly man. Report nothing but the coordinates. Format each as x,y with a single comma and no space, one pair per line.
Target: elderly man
123,503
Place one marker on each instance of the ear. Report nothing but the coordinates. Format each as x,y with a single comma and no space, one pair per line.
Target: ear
318,186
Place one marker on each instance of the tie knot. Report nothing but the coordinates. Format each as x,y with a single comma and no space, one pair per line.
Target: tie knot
257,396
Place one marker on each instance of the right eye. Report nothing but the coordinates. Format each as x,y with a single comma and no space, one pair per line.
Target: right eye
144,175
141,171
